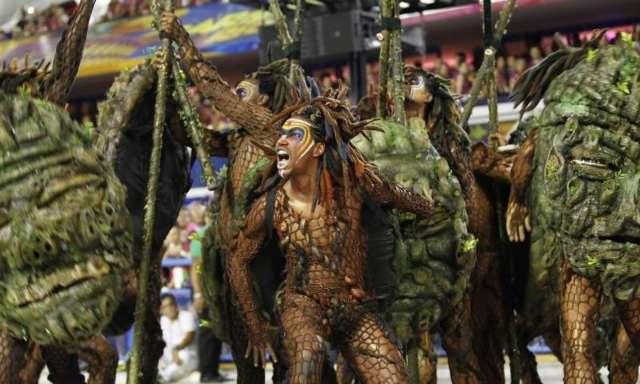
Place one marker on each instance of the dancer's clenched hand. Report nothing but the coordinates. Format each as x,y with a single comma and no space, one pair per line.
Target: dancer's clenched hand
169,25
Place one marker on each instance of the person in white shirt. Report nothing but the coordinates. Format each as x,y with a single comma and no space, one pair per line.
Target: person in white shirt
180,357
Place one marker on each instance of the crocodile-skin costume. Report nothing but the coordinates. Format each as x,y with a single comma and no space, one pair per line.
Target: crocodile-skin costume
583,167
66,242
324,308
247,162
537,279
323,298
53,86
124,139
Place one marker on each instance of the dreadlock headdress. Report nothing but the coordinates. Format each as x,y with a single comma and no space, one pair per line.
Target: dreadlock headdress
443,110
273,80
532,85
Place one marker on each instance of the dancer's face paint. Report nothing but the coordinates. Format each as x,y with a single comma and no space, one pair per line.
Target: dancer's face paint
416,90
248,91
294,146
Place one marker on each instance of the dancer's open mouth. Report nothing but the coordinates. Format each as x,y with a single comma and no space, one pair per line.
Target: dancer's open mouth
283,158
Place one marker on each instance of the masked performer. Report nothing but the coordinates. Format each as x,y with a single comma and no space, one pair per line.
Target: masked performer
251,106
314,205
577,173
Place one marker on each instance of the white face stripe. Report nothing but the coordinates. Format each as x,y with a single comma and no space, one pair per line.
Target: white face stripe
415,88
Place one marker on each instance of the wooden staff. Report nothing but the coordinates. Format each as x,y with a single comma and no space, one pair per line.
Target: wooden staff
192,122
289,45
135,367
488,63
397,69
386,12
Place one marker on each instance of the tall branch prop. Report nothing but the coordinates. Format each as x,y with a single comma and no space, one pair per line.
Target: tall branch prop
489,60
190,118
294,61
490,79
135,367
386,10
397,68
391,78
290,46
505,262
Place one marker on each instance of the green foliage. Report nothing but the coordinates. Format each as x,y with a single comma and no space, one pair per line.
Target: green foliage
478,132
551,167
623,86
469,245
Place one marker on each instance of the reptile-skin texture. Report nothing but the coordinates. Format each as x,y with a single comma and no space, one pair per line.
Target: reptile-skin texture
324,297
245,158
22,363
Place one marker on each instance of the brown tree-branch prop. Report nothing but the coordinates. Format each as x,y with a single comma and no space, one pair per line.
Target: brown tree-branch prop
135,368
501,26
291,46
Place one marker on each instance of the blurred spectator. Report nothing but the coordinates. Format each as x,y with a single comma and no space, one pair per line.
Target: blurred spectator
520,65
173,245
132,8
180,357
197,213
50,19
442,69
462,82
209,346
502,76
183,221
177,276
535,55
